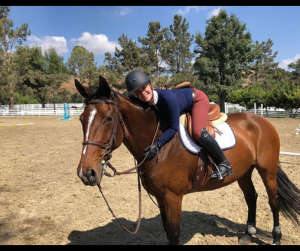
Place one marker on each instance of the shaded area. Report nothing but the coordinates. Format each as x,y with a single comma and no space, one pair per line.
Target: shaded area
151,231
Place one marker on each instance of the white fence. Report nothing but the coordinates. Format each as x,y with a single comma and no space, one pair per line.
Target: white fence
77,108
37,110
39,106
232,108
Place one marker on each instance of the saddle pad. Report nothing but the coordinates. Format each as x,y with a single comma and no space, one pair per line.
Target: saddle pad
226,140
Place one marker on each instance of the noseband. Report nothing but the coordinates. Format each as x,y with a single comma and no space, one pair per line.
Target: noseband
108,146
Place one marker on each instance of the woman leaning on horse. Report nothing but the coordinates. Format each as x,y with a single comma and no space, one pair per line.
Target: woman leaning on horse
171,104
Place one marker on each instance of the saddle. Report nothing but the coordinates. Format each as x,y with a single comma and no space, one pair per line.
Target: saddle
215,117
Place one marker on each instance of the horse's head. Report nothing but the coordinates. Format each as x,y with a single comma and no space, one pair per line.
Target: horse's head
102,130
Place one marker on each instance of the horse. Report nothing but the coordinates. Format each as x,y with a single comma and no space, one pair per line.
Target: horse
111,118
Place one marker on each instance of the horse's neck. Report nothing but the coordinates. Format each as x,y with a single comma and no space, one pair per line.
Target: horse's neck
140,126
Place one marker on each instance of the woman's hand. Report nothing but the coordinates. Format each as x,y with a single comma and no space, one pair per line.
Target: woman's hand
153,151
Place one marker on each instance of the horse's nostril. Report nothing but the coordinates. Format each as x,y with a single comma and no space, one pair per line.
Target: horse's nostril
91,175
90,172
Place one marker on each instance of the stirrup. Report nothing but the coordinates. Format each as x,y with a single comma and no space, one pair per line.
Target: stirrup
217,174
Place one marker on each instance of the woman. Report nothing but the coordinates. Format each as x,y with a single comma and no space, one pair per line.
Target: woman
171,104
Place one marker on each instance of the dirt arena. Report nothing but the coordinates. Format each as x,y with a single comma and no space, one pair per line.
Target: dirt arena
43,202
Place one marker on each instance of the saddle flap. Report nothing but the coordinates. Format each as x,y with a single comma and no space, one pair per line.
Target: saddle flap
213,112
188,125
213,115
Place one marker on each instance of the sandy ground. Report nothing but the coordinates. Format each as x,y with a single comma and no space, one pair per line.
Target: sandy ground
43,202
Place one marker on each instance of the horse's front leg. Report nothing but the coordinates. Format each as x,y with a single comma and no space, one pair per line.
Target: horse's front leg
170,210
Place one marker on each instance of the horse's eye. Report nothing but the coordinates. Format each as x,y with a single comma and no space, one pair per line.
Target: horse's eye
108,119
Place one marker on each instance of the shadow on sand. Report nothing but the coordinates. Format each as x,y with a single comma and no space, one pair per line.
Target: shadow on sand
151,231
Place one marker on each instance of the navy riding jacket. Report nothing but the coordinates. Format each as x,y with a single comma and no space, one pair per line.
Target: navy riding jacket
171,104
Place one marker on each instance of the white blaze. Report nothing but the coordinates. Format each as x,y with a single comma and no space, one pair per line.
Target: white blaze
91,118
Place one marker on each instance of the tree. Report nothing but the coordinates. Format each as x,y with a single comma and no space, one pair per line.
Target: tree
224,53
112,63
114,77
280,74
82,63
295,67
151,45
42,74
126,59
130,56
264,60
249,95
10,37
176,46
54,62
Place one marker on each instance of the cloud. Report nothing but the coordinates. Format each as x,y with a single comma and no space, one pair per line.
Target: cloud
96,43
285,62
214,12
187,9
122,11
59,43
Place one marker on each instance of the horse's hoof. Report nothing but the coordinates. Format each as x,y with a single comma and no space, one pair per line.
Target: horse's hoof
276,244
245,240
251,230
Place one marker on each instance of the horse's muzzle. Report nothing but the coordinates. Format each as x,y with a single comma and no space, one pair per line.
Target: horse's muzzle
92,177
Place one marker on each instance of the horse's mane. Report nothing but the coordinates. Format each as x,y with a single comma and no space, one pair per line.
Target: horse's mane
135,100
97,93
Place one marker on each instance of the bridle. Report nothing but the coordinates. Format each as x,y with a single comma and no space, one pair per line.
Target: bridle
107,147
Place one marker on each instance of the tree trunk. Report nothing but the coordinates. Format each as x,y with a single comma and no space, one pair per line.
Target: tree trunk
222,102
11,98
157,64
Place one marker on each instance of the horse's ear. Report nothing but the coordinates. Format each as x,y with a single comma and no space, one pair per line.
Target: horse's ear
104,87
81,89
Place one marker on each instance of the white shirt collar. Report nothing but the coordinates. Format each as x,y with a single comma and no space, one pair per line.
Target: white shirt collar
155,96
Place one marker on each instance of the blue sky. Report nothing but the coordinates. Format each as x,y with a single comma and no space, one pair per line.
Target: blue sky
97,28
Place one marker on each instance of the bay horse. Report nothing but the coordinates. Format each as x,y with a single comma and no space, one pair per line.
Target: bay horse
111,118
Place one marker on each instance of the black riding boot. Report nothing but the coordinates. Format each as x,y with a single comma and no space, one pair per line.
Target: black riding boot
210,145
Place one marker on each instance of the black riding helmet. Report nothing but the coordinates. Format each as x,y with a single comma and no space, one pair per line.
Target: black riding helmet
136,79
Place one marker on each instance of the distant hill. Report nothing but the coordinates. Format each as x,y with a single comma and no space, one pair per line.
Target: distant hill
70,85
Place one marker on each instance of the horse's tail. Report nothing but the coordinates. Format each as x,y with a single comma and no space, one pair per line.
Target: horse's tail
288,197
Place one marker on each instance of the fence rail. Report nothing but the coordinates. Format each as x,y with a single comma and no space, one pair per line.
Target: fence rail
39,112
77,109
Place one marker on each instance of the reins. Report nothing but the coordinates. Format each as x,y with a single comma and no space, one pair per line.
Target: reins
140,210
108,152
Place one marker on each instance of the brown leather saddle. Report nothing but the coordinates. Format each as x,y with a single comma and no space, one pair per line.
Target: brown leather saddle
214,116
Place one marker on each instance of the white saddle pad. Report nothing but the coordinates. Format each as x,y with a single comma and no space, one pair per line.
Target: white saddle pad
226,139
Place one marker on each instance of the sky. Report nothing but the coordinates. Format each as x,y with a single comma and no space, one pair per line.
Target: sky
97,28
